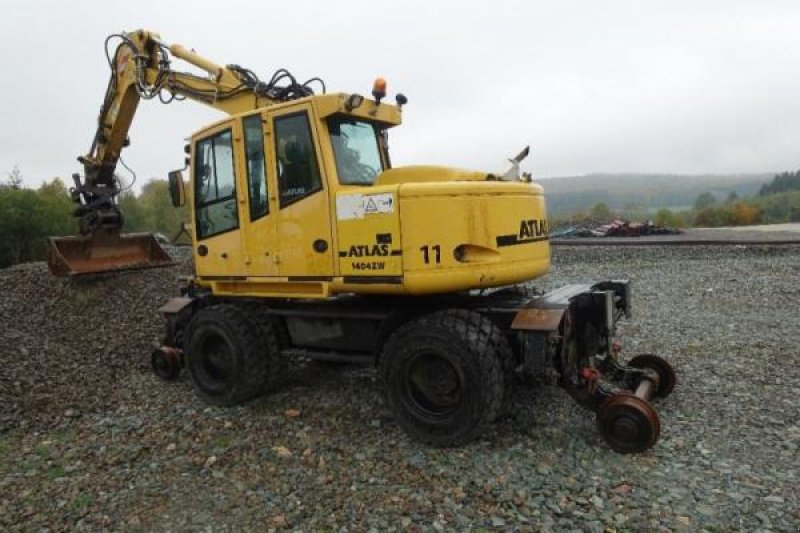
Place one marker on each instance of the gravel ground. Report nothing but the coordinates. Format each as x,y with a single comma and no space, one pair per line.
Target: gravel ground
90,439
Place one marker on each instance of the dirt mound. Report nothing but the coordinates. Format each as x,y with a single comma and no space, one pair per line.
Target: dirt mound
64,342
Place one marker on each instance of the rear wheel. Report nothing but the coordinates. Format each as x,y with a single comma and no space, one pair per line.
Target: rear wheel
443,376
275,339
225,355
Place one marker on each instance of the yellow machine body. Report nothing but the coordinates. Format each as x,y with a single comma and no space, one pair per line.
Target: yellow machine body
415,230
293,194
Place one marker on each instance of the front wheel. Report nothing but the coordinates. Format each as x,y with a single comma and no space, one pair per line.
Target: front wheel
225,357
443,376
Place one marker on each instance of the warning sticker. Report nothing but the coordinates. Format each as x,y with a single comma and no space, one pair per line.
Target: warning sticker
355,206
379,203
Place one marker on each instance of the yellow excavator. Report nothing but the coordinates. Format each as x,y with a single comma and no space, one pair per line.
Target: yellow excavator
307,242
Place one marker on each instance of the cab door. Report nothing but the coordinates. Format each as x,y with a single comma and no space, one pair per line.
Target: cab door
216,199
259,211
302,220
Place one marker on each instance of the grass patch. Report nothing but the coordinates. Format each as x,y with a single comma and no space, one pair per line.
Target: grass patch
81,501
223,442
56,473
42,451
64,436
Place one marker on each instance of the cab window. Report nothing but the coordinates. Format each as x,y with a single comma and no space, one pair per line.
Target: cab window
298,172
215,189
256,175
356,150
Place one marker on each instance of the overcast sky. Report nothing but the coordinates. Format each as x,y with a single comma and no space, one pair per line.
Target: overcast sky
611,86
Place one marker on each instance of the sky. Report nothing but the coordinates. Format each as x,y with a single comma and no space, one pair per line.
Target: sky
687,87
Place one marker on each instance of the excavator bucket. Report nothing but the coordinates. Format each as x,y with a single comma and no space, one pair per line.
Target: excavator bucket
105,251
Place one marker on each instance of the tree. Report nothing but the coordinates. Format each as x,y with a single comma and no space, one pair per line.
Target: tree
666,218
784,182
159,214
743,214
704,201
709,218
600,212
133,212
15,178
28,217
732,198
57,208
20,225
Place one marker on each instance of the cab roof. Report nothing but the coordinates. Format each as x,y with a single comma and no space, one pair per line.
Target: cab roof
325,105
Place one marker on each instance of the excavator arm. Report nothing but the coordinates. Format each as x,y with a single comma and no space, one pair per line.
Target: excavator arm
141,68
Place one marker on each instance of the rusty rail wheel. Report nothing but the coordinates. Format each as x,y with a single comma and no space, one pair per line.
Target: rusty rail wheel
628,423
666,374
166,363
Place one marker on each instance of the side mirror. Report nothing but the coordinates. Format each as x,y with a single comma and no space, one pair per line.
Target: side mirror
176,190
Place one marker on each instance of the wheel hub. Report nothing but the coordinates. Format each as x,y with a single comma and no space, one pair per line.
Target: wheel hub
624,429
433,386
216,358
628,423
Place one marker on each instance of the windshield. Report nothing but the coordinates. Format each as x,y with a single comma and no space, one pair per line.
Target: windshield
355,147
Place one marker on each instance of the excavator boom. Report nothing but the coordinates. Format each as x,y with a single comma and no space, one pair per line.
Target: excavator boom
141,69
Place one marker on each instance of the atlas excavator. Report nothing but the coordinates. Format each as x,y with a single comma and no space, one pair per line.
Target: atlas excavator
308,242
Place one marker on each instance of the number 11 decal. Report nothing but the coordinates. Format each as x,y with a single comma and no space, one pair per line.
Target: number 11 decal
427,256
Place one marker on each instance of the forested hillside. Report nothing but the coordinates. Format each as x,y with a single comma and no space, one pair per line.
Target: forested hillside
642,191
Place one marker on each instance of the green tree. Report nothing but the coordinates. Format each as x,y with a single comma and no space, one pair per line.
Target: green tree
21,233
133,212
601,212
704,201
666,218
709,218
778,207
784,182
159,214
28,217
57,208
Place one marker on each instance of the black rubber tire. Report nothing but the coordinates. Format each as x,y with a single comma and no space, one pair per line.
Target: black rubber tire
508,362
509,348
225,355
465,344
275,339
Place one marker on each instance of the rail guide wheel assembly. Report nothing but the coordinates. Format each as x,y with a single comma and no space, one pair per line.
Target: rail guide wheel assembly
167,363
627,420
